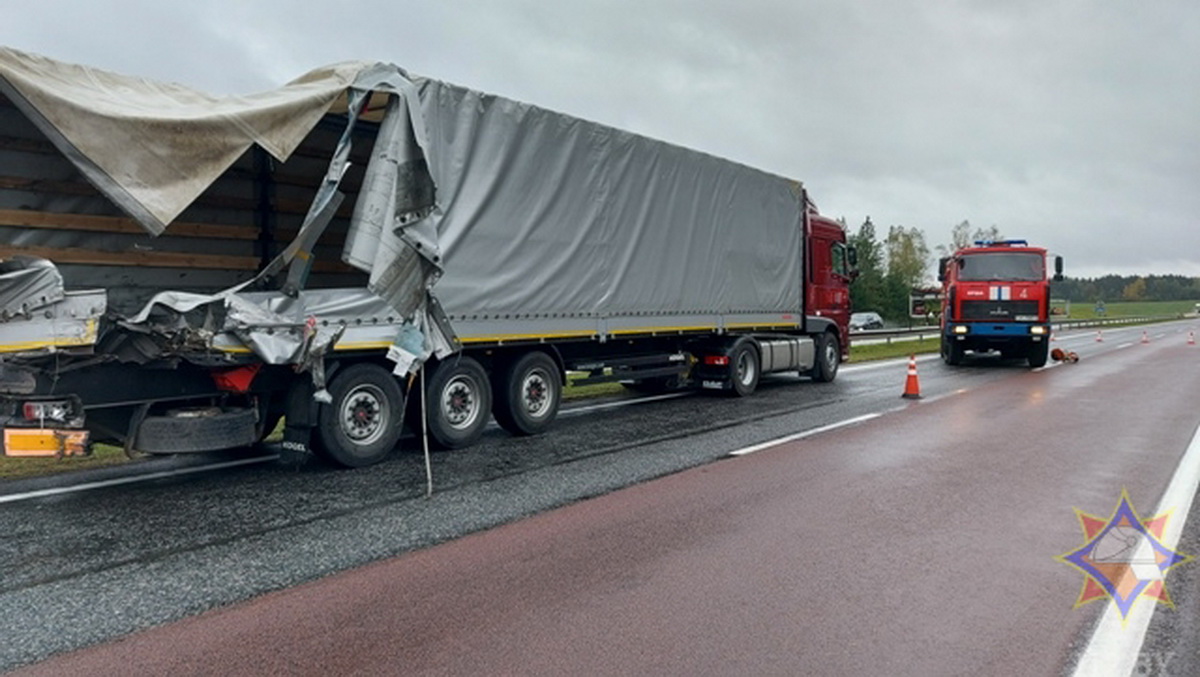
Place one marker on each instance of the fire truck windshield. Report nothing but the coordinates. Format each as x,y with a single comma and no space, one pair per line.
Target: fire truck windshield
1024,267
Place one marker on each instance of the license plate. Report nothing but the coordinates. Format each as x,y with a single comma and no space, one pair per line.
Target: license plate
44,442
714,385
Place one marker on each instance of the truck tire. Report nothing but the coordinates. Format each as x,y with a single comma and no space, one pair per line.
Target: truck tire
459,397
527,394
952,352
195,429
362,424
268,418
744,368
1038,353
828,357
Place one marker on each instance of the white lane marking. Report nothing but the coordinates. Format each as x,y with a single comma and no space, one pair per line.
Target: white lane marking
1124,345
1075,337
801,435
1115,645
625,403
55,491
931,399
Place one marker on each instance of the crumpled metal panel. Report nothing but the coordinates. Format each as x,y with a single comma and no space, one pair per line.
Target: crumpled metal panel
27,284
70,323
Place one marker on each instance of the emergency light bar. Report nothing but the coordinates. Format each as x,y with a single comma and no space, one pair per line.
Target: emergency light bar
1001,243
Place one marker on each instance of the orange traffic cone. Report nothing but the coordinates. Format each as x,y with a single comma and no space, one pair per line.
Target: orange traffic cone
1099,337
1191,338
912,389
1145,338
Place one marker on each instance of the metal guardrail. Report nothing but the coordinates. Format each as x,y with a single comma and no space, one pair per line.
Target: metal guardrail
865,336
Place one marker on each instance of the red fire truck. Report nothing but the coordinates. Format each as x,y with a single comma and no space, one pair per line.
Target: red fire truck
996,297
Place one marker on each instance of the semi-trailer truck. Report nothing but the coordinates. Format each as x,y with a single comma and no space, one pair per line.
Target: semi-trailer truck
996,297
179,270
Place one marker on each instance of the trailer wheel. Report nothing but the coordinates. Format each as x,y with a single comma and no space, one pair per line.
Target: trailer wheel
528,394
459,399
743,368
361,426
1038,353
828,357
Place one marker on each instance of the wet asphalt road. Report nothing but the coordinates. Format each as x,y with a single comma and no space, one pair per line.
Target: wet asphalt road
92,566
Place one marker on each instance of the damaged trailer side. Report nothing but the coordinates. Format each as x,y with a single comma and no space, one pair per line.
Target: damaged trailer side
306,241
115,189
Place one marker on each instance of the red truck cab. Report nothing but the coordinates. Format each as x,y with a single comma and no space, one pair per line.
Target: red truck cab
996,296
831,269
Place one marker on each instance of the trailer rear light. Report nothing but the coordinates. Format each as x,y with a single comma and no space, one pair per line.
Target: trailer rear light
47,410
716,360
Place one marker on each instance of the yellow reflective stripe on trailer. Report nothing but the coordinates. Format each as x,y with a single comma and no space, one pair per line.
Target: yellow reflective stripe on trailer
763,325
500,338
88,338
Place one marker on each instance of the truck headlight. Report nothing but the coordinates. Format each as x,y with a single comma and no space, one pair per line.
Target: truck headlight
1037,330
960,329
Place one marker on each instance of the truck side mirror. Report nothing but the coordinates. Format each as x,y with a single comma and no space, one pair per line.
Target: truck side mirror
1058,268
942,268
852,257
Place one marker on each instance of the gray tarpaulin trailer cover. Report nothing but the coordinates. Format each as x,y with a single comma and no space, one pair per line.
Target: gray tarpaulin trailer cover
541,222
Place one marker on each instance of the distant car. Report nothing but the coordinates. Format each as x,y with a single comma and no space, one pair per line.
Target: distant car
865,321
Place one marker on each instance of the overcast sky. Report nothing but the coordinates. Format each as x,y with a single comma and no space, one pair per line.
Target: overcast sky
1074,124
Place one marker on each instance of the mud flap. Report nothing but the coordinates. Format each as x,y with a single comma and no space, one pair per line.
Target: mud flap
300,417
296,442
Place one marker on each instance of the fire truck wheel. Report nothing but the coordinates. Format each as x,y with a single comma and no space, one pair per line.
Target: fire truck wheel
952,352
1038,353
362,424
527,394
458,400
828,356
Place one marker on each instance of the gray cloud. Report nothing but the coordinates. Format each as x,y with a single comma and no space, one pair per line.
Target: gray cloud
1066,122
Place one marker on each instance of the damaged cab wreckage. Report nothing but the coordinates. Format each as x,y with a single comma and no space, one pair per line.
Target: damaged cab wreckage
180,271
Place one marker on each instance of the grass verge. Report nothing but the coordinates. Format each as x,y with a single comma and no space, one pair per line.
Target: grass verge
102,455
885,351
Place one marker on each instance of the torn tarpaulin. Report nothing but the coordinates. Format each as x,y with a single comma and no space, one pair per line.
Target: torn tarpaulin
154,147
163,145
